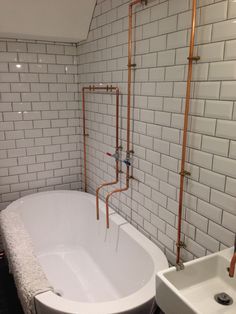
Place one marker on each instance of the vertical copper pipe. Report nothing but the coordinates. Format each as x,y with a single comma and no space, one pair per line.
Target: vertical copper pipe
117,151
186,115
84,137
128,106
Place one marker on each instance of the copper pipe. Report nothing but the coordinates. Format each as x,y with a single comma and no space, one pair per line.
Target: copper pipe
84,137
117,152
232,266
130,65
90,88
186,115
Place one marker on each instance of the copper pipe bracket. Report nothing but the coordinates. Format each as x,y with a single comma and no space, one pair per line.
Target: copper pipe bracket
185,173
133,178
181,245
179,266
194,58
132,65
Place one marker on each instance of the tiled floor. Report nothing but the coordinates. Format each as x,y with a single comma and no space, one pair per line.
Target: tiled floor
9,302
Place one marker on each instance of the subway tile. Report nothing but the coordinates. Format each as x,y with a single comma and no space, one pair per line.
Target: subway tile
183,5
159,11
222,71
209,211
206,241
203,125
224,30
221,234
168,25
226,129
207,90
230,186
212,179
200,158
230,47
211,52
215,145
232,150
223,201
229,221
8,57
16,47
219,109
213,13
228,91
199,190
177,39
27,57
224,165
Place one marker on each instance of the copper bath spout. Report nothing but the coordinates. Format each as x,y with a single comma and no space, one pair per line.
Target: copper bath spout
107,202
104,185
116,155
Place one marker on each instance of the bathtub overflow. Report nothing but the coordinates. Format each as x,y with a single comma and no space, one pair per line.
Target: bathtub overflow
58,292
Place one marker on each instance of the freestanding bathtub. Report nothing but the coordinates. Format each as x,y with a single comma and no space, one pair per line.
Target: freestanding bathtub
93,270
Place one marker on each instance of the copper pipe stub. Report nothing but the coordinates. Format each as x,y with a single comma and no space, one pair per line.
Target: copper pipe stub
179,266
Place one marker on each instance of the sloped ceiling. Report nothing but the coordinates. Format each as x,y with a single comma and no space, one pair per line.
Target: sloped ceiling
57,20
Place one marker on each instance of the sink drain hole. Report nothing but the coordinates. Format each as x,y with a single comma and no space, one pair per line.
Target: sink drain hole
223,298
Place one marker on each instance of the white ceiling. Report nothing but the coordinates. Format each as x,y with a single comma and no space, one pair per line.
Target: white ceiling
57,20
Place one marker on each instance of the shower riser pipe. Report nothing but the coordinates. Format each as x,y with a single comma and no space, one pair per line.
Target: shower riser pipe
183,172
129,84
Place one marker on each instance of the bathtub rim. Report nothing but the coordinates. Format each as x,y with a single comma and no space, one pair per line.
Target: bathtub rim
134,300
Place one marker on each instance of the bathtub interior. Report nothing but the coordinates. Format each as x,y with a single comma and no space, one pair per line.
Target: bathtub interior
83,260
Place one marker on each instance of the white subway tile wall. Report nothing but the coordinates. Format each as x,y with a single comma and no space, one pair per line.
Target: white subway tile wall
39,128
162,33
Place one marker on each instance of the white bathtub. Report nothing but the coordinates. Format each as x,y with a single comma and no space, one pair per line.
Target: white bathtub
95,270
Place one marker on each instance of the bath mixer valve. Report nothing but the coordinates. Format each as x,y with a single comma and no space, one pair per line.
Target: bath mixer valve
116,155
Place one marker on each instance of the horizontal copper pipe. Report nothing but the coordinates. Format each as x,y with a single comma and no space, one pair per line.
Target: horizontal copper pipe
185,130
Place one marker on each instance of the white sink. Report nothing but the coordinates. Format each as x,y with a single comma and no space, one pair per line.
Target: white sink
192,289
